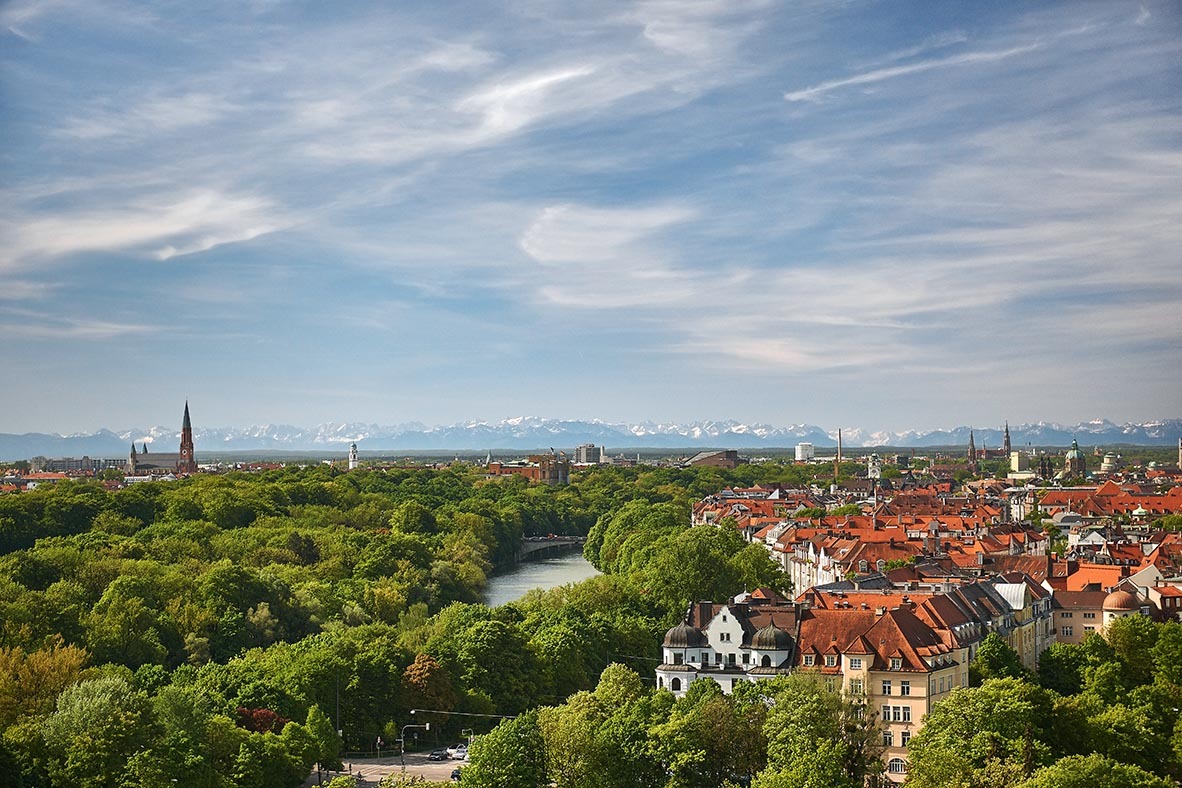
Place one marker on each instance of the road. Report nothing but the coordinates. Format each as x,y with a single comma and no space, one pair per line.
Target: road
371,770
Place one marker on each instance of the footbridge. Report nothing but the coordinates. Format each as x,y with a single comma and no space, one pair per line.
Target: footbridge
542,546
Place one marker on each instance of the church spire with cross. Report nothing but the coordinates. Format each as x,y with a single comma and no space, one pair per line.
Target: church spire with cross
187,463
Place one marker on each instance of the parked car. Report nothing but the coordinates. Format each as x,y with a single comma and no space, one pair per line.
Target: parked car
451,751
461,753
439,755
455,775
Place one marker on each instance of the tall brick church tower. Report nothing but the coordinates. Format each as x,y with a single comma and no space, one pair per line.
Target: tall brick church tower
186,462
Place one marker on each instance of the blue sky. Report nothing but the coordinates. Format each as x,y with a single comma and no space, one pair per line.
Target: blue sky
890,215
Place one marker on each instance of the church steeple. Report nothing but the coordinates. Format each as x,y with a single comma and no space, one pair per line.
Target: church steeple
186,462
972,452
1005,440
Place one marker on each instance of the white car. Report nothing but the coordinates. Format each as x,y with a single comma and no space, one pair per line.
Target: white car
458,752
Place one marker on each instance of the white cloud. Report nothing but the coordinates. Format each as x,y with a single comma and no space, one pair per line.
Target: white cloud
193,221
892,72
148,117
43,325
570,233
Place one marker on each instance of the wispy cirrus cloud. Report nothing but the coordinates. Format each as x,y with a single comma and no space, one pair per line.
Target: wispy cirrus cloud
606,258
35,324
893,72
162,228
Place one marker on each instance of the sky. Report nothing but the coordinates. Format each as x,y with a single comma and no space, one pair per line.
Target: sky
890,215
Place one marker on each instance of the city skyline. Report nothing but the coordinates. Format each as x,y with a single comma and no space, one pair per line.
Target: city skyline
911,217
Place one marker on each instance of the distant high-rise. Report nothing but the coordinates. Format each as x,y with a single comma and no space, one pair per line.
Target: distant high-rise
588,454
805,452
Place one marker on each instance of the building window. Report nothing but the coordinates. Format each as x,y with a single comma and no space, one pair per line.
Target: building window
808,660
730,659
1068,631
718,658
675,684
904,687
896,663
855,686
1066,615
941,684
855,663
766,662
888,739
830,661
1089,629
886,688
897,766
1089,615
676,659
906,737
896,714
746,658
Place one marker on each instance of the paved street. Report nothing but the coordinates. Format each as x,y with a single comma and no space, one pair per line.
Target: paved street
372,770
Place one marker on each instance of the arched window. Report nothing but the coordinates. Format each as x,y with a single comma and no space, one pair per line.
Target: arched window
897,766
660,681
675,684
766,661
863,566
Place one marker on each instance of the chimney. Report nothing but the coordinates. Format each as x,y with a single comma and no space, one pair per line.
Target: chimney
879,612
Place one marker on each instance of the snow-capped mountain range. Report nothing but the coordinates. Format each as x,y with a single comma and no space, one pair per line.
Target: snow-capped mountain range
528,432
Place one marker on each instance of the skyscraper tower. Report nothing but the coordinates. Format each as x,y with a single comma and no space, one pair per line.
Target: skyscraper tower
187,463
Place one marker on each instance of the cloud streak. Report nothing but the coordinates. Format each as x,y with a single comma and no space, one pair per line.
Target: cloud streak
894,72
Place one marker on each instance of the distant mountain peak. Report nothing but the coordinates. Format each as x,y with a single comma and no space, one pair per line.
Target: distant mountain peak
523,433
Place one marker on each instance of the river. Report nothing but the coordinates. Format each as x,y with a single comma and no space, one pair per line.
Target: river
513,584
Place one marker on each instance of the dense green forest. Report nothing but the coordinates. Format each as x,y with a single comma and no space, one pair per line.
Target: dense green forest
219,629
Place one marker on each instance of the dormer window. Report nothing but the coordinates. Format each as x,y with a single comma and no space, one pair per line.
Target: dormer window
830,661
896,663
808,660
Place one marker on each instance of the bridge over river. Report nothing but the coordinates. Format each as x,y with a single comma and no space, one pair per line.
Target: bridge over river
547,546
